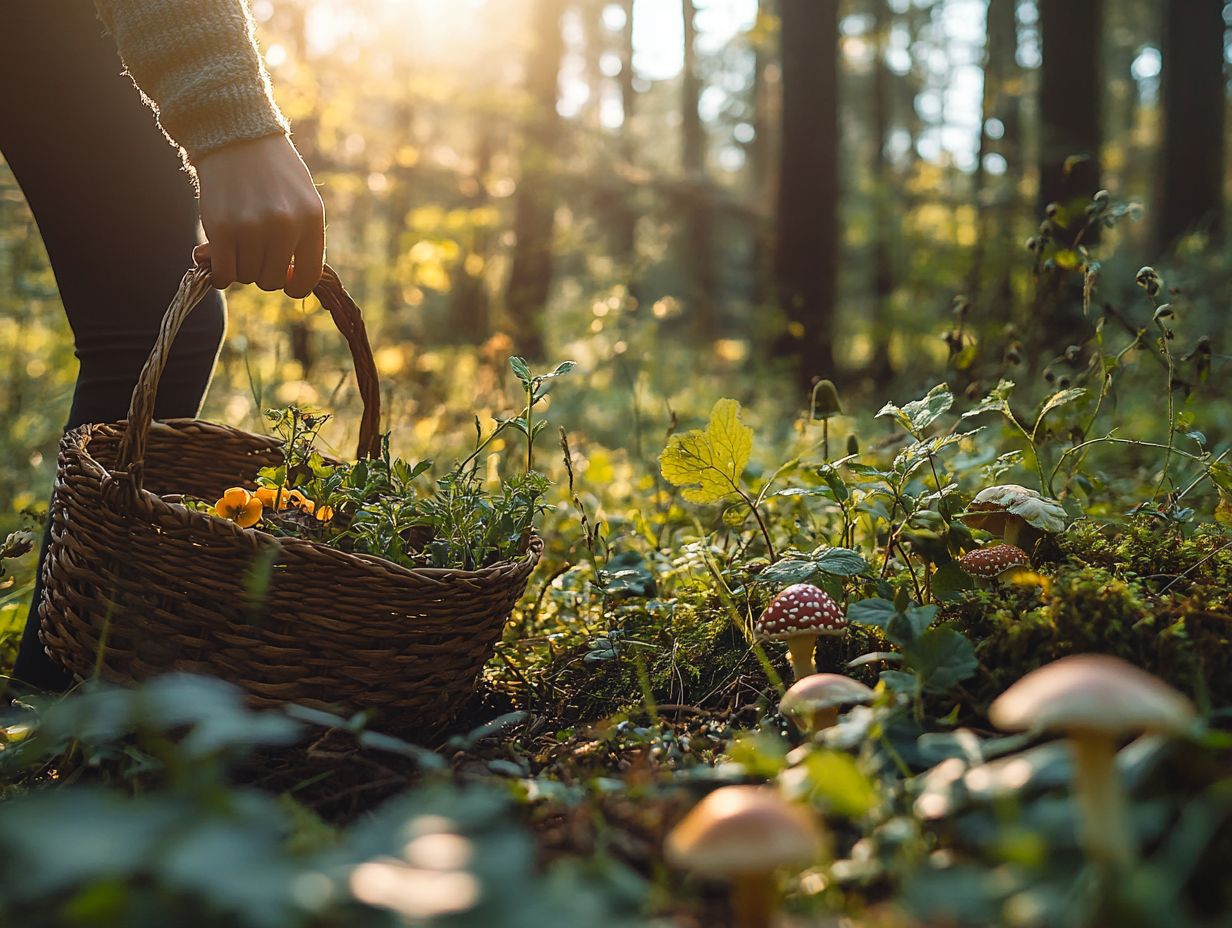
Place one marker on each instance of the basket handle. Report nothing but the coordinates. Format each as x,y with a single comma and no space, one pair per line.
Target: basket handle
196,284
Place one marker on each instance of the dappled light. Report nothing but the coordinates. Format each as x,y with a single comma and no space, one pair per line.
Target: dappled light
622,463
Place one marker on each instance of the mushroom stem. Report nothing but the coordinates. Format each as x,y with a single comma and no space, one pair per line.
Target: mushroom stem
801,648
824,718
1013,528
1103,828
754,900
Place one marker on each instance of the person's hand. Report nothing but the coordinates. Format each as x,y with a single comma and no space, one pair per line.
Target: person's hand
263,218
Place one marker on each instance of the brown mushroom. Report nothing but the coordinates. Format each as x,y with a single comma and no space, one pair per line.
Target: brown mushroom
813,702
1095,700
1012,511
799,615
744,834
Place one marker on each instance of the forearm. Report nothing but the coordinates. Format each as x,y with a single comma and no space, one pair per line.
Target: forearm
197,60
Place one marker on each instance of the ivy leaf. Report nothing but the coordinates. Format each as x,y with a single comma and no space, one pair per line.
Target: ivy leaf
789,571
919,414
708,463
902,627
842,562
941,657
998,400
876,612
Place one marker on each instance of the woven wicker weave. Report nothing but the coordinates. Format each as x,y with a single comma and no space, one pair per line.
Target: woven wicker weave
136,585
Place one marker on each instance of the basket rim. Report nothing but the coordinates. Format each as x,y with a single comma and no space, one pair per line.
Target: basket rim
77,439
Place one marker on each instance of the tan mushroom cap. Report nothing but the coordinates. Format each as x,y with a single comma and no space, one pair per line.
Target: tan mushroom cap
800,609
1094,693
823,691
993,560
743,829
993,505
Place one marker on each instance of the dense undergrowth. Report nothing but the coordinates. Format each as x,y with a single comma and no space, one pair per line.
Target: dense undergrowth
629,682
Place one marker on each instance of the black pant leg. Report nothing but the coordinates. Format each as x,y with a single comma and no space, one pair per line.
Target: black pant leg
117,214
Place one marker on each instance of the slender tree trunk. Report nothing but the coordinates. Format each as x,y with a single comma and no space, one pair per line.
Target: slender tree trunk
1071,87
880,367
761,152
1071,84
1192,104
534,223
996,198
1003,34
626,213
470,294
807,235
398,202
591,13
698,241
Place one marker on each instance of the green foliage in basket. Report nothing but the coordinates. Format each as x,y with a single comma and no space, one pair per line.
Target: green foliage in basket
379,506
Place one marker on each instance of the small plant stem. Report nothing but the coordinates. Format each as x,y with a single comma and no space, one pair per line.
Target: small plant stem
1163,346
765,533
932,464
530,430
1202,476
479,448
801,648
915,582
1103,828
753,900
825,439
1108,439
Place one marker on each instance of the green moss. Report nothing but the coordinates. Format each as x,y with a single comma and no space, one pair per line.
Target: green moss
1161,603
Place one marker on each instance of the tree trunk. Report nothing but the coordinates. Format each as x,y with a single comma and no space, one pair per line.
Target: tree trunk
1071,84
470,294
1003,34
534,222
996,199
806,234
626,213
1192,102
594,37
698,241
761,152
880,368
1071,87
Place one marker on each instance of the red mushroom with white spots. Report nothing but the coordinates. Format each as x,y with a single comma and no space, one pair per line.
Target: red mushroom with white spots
994,562
799,615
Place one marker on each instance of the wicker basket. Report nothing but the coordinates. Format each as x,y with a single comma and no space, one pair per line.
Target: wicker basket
136,585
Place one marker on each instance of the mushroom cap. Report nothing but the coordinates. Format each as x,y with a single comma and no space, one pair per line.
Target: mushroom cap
993,560
800,609
1092,693
992,505
823,691
743,829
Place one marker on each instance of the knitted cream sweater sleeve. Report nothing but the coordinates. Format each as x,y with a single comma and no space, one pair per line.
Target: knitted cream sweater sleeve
197,62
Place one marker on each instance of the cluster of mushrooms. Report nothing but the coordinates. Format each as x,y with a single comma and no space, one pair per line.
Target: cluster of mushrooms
1016,514
745,835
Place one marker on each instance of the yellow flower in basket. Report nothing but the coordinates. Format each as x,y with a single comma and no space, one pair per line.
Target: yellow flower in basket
272,497
301,502
239,506
324,513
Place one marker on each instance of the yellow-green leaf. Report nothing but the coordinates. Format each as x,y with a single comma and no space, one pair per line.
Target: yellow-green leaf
708,463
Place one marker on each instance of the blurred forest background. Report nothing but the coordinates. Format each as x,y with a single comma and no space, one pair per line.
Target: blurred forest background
695,198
